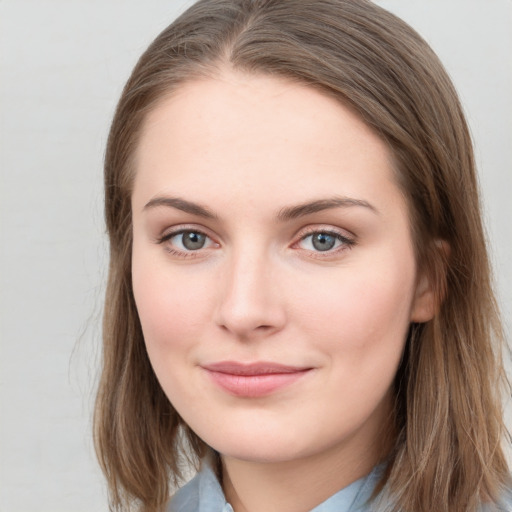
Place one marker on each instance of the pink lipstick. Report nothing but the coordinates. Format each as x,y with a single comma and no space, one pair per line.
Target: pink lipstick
255,379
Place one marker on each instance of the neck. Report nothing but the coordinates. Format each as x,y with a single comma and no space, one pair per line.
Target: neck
297,485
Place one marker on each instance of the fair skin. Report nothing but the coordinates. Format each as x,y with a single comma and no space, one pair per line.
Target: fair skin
274,328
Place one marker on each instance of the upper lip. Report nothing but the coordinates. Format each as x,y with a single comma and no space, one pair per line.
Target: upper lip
248,369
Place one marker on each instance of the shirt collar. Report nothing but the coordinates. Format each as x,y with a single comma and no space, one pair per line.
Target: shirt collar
204,494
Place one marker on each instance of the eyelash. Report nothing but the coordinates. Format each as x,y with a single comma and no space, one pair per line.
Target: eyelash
179,231
345,242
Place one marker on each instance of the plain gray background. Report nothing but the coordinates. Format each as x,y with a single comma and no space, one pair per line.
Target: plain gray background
63,64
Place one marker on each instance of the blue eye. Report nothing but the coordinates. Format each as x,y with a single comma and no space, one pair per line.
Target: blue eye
323,241
187,240
192,240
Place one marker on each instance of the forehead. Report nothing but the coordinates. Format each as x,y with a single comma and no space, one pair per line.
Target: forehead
238,108
252,131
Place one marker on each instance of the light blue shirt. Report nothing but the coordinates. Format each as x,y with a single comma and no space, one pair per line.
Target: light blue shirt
204,494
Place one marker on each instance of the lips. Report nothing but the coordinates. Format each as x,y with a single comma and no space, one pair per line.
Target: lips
255,379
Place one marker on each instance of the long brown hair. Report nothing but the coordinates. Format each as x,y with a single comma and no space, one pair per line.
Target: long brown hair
447,453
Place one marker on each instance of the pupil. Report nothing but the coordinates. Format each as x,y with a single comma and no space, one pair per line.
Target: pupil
193,241
323,241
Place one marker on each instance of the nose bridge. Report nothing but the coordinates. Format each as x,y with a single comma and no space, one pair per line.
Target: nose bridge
249,298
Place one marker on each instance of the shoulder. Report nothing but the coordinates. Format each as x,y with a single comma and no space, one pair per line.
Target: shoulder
506,501
201,494
186,498
504,504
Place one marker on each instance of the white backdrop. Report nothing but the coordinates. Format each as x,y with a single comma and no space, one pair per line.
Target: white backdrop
62,65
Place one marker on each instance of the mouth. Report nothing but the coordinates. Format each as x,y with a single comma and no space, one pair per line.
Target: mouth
255,379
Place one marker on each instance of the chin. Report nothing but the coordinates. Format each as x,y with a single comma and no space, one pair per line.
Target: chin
260,454
262,447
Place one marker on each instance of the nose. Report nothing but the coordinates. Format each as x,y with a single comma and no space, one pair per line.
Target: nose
250,298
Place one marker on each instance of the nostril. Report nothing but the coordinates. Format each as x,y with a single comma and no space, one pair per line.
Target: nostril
264,327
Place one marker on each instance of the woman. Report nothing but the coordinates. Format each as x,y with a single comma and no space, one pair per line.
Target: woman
299,296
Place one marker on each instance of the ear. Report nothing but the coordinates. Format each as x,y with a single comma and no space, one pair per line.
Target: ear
424,305
431,285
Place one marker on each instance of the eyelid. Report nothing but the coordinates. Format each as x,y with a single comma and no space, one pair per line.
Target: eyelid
325,228
169,232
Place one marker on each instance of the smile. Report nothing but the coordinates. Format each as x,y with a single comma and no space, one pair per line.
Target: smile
253,380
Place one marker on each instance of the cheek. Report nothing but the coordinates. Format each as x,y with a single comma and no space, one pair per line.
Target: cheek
172,316
362,314
169,306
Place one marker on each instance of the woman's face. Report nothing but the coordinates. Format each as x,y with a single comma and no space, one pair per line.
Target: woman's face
273,268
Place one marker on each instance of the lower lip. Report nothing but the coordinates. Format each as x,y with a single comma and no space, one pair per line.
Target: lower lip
253,386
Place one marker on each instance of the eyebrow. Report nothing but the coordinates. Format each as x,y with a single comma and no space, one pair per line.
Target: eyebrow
181,204
285,214
301,210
